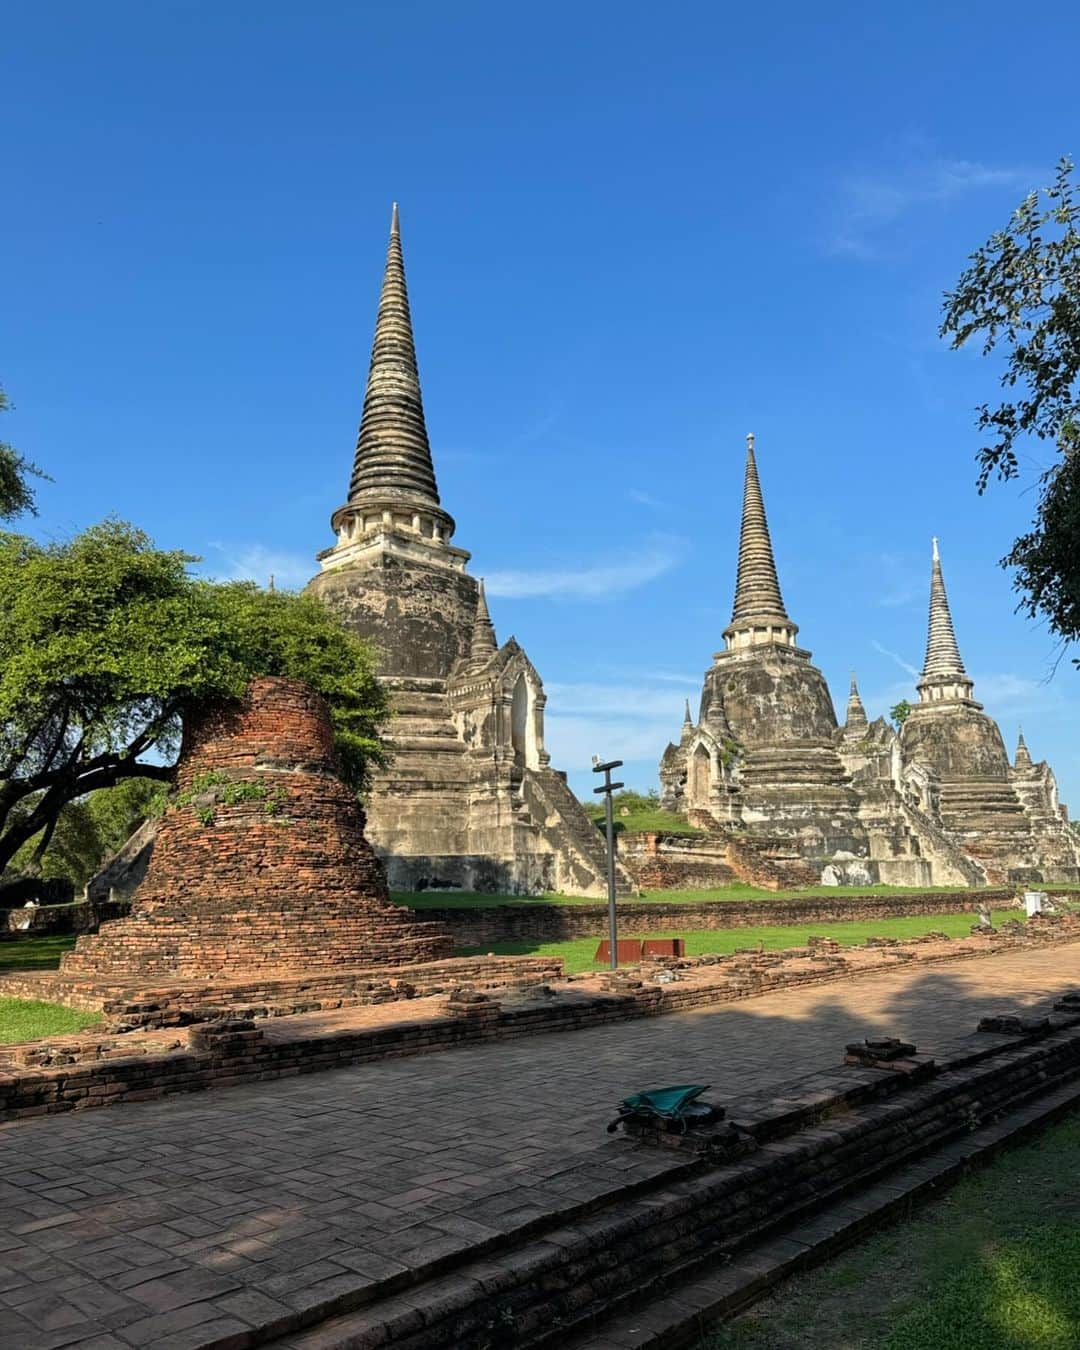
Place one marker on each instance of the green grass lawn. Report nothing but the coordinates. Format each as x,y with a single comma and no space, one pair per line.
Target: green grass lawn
33,953
577,953
26,1019
991,1266
487,900
644,818
741,892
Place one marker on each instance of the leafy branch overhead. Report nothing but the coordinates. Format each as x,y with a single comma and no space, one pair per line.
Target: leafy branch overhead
106,642
16,494
1020,294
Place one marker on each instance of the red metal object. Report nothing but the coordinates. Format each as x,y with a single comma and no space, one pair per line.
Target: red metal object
664,947
627,949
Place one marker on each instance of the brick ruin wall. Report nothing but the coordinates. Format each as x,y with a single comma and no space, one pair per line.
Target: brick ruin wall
555,923
261,861
90,1072
673,862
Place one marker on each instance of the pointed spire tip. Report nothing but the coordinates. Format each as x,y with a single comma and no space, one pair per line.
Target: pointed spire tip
757,590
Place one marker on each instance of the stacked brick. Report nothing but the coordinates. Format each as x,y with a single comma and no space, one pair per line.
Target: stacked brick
261,862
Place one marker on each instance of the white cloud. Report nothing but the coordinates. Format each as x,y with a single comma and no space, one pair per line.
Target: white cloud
1015,694
256,562
588,583
646,499
621,721
904,665
869,204
616,700
573,741
668,677
900,582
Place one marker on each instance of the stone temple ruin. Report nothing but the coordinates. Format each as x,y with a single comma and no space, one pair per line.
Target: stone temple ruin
260,863
936,804
470,799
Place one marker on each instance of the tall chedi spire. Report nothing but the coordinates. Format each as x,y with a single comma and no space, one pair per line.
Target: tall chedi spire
943,673
758,614
1023,754
483,646
855,723
393,478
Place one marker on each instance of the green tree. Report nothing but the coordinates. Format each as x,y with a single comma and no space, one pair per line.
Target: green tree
16,495
1021,294
107,643
89,830
899,713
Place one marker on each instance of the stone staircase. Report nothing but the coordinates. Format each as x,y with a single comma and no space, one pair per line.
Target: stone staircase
580,848
758,862
951,865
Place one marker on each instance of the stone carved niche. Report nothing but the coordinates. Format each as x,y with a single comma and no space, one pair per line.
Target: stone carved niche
700,777
499,710
920,789
707,778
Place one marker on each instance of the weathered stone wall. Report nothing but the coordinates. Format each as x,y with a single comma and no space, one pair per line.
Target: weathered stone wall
955,740
419,618
556,923
138,1004
772,695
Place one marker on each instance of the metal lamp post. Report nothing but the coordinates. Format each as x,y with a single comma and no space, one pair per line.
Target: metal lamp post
607,789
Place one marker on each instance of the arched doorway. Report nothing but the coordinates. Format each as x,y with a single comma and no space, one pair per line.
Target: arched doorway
700,777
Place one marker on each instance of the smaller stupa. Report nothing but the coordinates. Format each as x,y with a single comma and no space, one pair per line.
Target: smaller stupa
260,862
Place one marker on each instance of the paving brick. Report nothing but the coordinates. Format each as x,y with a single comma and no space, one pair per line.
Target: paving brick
481,1124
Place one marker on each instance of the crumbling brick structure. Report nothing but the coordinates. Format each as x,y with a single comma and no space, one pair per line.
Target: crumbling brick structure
261,861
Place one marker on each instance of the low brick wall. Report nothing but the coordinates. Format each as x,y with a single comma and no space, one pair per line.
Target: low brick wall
83,916
659,861
278,994
231,1051
555,923
676,862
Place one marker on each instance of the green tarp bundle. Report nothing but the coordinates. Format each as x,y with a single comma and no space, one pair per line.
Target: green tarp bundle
671,1105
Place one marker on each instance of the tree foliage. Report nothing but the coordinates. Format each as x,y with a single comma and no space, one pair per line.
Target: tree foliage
89,830
900,712
16,494
1021,294
107,643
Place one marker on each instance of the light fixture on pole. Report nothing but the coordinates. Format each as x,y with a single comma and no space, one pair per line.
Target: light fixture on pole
607,789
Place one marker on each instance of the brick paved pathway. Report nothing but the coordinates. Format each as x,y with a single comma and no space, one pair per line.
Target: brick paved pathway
172,1224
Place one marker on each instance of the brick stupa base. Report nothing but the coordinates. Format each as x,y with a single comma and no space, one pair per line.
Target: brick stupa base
260,865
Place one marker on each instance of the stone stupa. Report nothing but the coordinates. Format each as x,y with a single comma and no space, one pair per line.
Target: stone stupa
260,863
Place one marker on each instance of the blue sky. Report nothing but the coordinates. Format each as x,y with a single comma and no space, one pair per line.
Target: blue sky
632,234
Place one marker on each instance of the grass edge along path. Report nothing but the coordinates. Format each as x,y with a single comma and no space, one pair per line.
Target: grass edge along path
739,892
34,951
577,953
23,1019
991,1265
43,953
